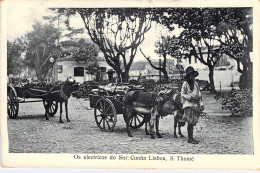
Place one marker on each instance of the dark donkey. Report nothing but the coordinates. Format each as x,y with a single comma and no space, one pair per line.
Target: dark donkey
178,122
61,93
152,106
178,113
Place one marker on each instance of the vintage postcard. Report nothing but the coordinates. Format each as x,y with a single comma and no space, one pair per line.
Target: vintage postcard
142,84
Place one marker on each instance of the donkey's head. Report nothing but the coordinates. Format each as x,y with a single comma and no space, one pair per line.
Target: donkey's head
69,87
171,102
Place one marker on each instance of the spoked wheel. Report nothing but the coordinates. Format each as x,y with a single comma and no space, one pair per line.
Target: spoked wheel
136,120
51,107
105,114
12,103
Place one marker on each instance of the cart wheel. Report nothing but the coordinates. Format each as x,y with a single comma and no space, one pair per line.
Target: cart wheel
53,107
136,120
105,114
12,103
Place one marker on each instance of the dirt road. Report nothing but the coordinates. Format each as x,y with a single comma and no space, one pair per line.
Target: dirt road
31,133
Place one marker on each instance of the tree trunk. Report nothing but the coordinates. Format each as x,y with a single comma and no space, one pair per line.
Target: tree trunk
211,80
125,76
250,75
37,64
166,77
39,74
245,80
119,75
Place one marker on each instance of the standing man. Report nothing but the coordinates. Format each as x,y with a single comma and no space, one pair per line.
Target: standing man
192,101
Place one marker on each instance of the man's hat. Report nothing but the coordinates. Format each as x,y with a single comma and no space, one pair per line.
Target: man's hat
190,70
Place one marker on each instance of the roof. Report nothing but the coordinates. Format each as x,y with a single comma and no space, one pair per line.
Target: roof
140,65
71,58
67,58
101,58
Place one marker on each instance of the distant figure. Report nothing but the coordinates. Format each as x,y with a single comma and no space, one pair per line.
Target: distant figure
110,75
192,101
70,79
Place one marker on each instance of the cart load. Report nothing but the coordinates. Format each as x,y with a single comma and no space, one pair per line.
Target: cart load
107,104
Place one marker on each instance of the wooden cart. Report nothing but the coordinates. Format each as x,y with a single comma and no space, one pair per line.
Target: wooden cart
106,108
16,95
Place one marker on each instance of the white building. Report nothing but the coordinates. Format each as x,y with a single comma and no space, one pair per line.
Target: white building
225,72
78,71
145,70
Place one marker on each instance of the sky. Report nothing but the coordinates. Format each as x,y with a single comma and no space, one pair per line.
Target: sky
20,21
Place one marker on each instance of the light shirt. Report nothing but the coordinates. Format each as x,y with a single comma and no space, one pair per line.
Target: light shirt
187,95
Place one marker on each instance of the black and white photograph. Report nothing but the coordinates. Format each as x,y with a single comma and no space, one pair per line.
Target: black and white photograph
160,84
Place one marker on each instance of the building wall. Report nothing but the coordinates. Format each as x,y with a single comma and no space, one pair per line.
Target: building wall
68,71
223,76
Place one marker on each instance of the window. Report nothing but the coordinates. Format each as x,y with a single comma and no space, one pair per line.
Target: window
78,71
59,68
102,69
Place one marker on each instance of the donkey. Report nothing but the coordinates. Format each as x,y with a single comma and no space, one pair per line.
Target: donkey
178,122
151,106
61,93
178,113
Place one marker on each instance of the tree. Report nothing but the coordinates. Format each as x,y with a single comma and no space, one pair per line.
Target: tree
199,34
14,59
165,45
235,34
117,32
206,50
61,20
40,47
84,51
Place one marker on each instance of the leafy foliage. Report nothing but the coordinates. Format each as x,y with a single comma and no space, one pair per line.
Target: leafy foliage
85,89
40,46
199,35
117,32
61,20
148,85
219,30
84,51
14,59
235,33
165,45
239,102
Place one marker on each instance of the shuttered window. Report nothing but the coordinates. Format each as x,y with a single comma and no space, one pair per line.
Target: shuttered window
78,71
59,68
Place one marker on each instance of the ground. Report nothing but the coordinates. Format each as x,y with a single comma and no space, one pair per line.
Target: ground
219,134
